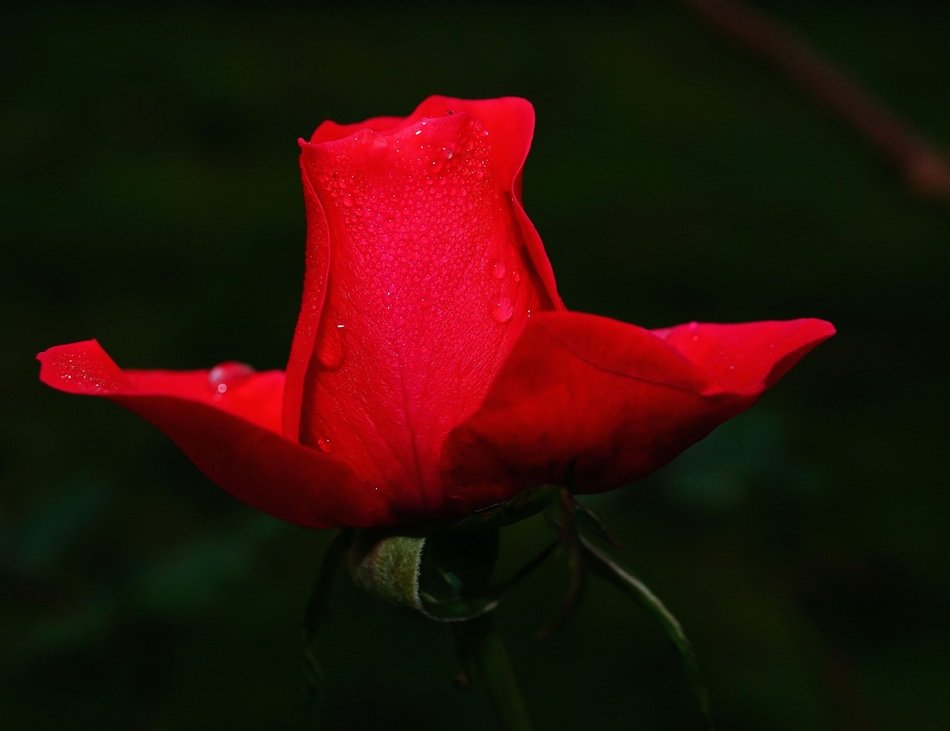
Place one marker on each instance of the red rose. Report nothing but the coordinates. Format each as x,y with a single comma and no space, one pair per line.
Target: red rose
434,369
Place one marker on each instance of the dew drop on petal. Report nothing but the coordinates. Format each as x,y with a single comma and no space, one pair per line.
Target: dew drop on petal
226,375
502,310
324,444
498,270
516,276
347,201
693,327
330,351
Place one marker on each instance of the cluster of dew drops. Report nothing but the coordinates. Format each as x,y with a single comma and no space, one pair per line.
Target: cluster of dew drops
456,173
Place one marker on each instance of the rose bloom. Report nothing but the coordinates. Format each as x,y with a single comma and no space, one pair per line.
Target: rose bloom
434,369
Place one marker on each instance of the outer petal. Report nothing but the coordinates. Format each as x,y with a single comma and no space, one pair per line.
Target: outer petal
425,281
227,421
594,403
747,358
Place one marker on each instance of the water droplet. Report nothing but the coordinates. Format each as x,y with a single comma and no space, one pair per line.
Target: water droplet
498,270
347,201
502,310
418,132
324,444
330,350
226,375
516,276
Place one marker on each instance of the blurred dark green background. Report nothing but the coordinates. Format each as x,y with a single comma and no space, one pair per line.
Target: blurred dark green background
150,199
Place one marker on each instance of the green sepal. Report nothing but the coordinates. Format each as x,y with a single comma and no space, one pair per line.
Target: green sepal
387,565
444,576
444,571
607,567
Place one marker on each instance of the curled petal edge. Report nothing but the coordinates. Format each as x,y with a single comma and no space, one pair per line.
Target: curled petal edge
252,461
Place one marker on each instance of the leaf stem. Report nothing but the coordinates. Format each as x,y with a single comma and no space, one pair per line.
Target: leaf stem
482,651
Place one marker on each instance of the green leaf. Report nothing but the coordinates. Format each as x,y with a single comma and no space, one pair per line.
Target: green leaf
619,577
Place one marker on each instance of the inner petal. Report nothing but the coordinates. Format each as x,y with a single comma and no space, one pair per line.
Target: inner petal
429,285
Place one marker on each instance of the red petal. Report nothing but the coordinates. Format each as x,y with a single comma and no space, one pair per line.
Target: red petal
594,403
231,434
749,357
430,280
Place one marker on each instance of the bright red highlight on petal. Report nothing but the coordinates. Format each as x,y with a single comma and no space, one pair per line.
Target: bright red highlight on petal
434,370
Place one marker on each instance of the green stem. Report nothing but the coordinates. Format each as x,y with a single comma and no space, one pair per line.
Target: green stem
482,651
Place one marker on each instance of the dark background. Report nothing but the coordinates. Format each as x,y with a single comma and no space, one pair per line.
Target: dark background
150,199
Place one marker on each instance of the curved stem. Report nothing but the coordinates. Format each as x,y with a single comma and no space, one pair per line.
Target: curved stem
482,652
924,167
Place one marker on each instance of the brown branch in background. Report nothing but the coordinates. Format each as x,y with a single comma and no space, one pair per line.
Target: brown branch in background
924,169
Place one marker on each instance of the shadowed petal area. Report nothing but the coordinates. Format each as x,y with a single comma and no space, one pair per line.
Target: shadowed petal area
227,421
593,403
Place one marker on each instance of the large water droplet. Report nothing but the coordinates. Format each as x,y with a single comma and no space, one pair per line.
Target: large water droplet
347,201
502,310
227,375
324,444
330,350
499,270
